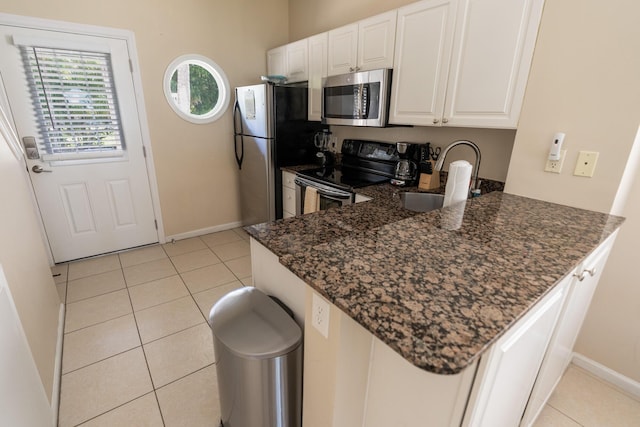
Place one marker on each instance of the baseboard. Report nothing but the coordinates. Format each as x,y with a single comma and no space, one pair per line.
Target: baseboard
203,231
609,375
57,374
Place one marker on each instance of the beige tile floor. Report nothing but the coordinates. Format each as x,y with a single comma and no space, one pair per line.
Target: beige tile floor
138,350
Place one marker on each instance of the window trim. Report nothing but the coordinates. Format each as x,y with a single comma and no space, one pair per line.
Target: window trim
224,90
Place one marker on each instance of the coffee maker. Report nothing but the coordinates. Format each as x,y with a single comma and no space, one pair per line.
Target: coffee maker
322,141
406,170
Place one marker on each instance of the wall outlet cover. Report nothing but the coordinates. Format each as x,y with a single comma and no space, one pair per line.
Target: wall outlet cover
320,314
555,166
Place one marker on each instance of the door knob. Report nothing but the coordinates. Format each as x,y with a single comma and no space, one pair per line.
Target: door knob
38,169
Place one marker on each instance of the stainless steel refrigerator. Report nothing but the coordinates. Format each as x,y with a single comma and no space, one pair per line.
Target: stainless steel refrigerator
271,130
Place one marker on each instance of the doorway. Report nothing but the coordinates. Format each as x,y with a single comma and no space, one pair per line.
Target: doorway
73,99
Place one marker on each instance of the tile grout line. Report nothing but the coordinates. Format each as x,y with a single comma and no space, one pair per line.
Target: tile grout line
113,409
133,312
566,415
144,354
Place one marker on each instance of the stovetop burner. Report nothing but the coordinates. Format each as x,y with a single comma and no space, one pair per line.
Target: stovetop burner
343,177
363,163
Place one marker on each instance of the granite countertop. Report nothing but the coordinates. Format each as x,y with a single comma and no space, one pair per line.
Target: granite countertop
438,295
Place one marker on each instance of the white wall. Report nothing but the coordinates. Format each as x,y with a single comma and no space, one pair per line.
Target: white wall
585,81
23,257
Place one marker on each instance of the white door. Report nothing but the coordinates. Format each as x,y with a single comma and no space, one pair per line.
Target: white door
89,174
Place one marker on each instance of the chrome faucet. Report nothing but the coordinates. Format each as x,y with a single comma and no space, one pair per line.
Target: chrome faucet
474,177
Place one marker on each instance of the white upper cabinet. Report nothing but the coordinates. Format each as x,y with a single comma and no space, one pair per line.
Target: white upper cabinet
276,61
297,61
317,70
492,53
290,60
463,62
342,50
365,45
422,56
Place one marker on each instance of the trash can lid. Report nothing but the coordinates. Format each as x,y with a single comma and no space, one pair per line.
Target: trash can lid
250,324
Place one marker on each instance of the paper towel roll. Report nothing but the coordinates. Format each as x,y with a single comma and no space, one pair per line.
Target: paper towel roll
458,181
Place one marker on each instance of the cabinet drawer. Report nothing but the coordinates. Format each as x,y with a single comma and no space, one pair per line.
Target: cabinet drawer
288,199
288,181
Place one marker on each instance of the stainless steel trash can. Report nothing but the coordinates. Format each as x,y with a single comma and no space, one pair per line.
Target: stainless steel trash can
258,350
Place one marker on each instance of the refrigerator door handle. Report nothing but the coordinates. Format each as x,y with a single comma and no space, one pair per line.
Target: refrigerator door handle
236,114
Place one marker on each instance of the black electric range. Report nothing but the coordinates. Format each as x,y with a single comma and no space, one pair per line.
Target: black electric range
363,163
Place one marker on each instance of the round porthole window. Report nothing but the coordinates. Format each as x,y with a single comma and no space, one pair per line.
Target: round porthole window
196,88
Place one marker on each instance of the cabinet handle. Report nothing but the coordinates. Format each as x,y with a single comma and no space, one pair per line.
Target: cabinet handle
592,272
351,69
435,121
445,120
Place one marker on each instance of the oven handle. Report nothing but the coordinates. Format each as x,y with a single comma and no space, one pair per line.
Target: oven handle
322,189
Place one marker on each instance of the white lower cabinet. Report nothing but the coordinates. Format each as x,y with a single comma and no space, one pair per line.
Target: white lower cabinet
288,194
564,337
507,372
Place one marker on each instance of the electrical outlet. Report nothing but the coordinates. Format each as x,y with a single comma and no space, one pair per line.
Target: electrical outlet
586,164
555,166
320,315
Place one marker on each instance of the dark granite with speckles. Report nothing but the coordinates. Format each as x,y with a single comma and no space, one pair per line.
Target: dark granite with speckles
436,295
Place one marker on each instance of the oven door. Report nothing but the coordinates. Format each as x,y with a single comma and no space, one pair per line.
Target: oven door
327,196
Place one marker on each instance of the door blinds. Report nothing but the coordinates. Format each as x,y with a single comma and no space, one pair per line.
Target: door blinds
75,102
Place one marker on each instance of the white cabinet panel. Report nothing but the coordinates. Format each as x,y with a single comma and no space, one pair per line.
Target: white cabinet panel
570,322
492,55
422,54
317,70
290,61
288,194
508,371
365,45
297,61
376,40
276,62
342,50
463,62
289,200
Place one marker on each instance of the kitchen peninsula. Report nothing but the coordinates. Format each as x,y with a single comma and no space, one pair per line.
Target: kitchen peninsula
441,289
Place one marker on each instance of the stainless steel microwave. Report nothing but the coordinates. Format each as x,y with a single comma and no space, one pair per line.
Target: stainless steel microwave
357,99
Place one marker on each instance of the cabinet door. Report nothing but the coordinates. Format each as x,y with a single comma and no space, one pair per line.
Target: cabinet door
506,375
376,40
342,50
276,64
574,311
492,54
297,61
424,38
317,70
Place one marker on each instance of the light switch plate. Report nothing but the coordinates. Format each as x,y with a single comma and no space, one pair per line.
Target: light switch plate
320,315
586,164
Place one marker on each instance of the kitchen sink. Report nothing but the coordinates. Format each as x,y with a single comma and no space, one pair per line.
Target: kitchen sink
421,202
